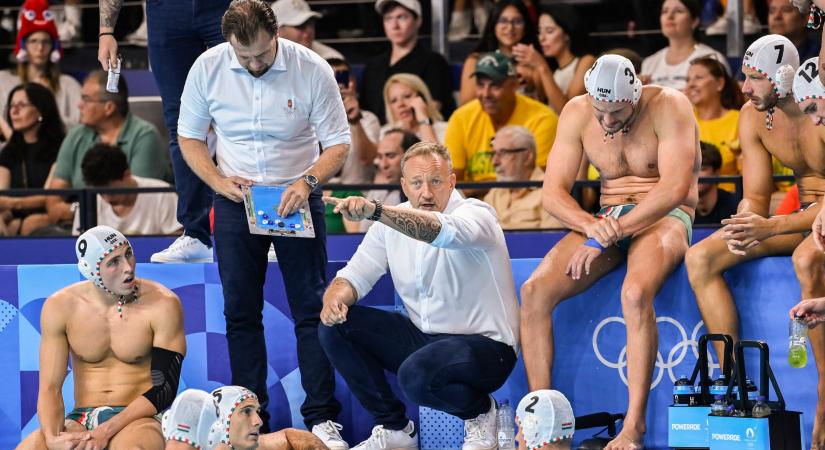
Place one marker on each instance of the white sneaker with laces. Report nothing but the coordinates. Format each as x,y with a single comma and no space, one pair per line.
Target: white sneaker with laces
384,439
184,249
328,433
271,256
481,433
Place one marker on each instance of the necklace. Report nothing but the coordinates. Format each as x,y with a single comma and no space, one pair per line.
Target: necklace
124,299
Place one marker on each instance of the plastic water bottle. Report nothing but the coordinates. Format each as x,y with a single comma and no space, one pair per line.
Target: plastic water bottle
761,409
506,426
719,407
719,386
797,338
682,386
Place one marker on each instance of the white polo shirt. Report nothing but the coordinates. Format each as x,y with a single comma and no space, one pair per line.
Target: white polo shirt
461,283
268,128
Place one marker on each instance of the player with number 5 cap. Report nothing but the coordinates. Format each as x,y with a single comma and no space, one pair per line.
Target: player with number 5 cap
771,127
645,143
126,341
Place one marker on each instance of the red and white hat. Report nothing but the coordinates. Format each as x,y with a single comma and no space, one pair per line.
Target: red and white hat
35,15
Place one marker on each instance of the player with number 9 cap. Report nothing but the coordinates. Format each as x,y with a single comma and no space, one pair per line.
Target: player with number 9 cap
546,421
644,141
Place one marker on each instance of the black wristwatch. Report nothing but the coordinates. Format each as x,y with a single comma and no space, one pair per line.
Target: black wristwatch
311,180
376,216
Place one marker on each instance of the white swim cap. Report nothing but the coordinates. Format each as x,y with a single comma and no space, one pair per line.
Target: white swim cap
545,417
775,57
613,79
191,418
228,398
806,83
93,246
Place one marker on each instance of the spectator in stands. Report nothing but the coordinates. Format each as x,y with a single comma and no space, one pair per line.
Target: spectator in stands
411,107
296,22
785,19
391,149
750,23
364,128
514,158
462,324
509,24
26,160
105,118
716,100
461,22
668,67
714,204
558,68
472,126
131,213
178,32
38,52
402,20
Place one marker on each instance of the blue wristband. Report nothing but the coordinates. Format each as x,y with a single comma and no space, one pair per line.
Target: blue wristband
593,243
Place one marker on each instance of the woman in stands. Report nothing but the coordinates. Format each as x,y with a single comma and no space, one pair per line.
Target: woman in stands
558,70
26,160
716,100
38,52
509,24
679,20
410,107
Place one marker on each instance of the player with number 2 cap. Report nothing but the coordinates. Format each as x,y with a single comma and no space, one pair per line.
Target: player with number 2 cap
545,420
645,143
126,342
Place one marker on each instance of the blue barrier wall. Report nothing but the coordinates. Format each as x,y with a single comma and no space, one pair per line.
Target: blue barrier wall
590,338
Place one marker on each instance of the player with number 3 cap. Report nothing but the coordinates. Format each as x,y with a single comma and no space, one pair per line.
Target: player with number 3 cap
645,143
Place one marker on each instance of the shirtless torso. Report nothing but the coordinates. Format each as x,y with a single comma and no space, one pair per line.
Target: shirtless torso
111,352
647,153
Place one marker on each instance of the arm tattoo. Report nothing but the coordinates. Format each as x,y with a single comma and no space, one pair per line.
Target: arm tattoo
413,224
109,10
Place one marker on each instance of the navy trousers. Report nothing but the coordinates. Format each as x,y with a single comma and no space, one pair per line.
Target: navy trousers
242,263
448,372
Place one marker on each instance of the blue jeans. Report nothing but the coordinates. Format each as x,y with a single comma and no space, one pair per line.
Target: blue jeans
179,31
448,372
242,263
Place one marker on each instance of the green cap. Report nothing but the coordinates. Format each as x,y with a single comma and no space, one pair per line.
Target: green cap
495,65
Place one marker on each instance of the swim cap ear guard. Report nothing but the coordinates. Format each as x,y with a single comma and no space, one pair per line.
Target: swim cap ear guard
775,57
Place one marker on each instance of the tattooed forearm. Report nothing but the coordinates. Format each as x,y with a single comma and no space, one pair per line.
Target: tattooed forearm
415,224
109,10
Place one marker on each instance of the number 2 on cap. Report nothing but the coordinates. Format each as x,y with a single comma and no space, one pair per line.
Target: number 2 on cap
533,400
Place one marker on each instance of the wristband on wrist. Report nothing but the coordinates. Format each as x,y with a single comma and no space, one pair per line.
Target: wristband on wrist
378,210
426,121
106,33
593,243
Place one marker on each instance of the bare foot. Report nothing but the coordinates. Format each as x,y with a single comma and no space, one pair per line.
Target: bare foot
818,436
626,440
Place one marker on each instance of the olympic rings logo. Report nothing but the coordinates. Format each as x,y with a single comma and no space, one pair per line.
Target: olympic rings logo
674,357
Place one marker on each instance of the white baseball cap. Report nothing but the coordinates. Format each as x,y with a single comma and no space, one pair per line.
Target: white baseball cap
293,13
412,5
545,417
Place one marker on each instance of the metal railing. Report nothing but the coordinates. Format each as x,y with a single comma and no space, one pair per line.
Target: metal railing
87,197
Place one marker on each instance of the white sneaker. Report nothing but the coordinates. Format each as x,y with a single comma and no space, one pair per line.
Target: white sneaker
271,256
384,439
139,37
481,433
328,433
184,249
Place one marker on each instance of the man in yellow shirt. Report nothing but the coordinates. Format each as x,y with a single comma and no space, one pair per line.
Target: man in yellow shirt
472,127
514,159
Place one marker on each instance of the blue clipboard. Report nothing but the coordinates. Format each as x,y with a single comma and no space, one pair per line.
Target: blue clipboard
261,204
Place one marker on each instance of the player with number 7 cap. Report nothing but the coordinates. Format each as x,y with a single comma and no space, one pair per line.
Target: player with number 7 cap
126,342
772,127
645,143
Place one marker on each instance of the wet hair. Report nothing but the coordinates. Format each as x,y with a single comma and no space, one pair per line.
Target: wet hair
730,95
51,132
245,18
427,148
103,164
488,41
710,156
408,138
120,98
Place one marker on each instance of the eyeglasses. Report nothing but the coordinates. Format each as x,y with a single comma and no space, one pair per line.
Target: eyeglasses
87,99
514,22
506,151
